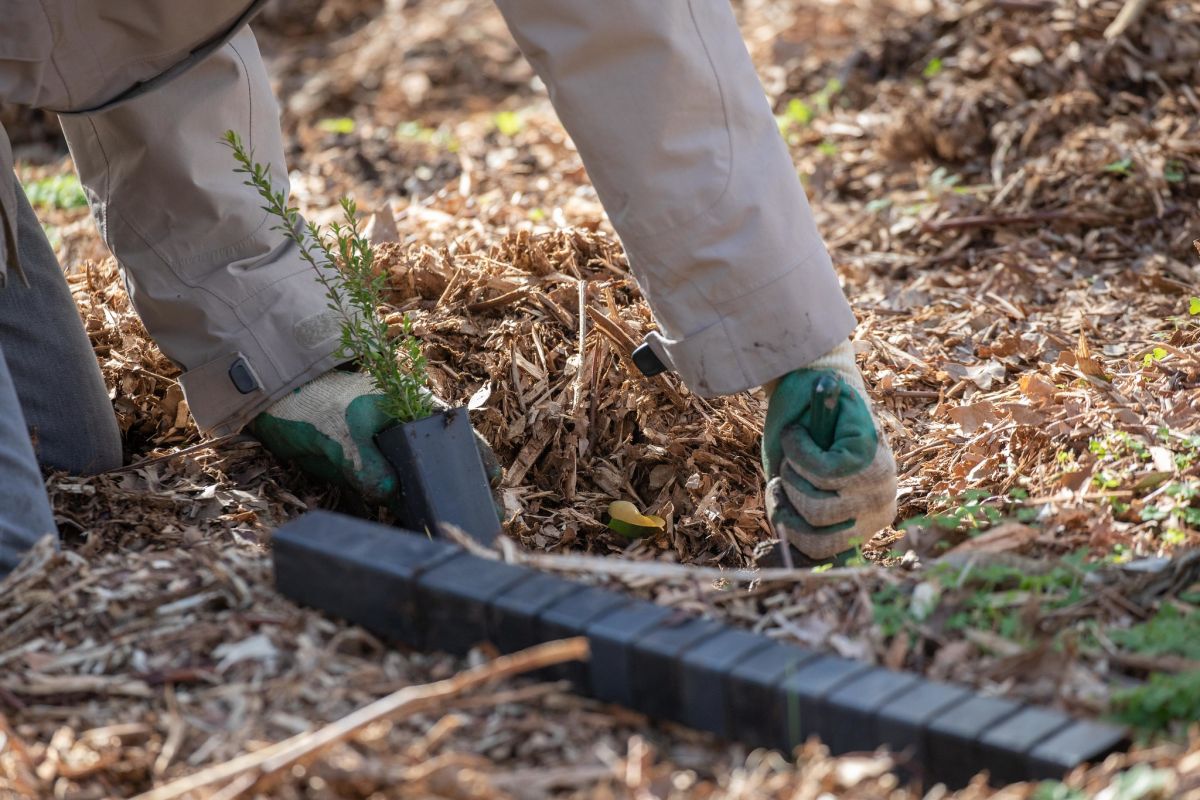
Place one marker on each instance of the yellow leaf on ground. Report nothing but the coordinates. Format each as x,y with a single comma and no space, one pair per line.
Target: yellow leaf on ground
625,511
625,519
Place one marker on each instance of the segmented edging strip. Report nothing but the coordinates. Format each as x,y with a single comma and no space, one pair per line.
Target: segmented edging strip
432,595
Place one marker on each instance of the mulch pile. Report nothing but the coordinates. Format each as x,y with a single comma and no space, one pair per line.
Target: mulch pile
1011,199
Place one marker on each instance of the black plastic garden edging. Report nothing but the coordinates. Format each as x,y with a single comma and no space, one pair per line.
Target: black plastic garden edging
442,478
430,594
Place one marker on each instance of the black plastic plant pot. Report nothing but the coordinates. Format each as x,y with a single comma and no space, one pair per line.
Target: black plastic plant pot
442,479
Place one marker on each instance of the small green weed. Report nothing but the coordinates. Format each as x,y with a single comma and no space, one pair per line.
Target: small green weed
932,69
1182,322
891,611
1141,477
1056,790
423,134
992,597
345,265
336,125
801,113
1164,703
56,191
1000,592
1117,444
1169,632
1140,782
1122,167
968,512
508,123
1155,355
824,98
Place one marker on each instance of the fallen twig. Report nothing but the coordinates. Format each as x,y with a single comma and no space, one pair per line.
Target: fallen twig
1001,220
623,568
1129,14
580,371
211,444
247,773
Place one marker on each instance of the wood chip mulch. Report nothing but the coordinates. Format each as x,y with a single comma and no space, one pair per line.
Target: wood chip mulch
1010,198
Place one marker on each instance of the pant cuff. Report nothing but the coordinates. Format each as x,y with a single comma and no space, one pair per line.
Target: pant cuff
779,327
228,392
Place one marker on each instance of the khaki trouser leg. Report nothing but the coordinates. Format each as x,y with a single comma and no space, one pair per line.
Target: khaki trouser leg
69,55
662,100
223,295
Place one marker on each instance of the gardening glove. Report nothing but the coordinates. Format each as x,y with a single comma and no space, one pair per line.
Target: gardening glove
826,501
327,427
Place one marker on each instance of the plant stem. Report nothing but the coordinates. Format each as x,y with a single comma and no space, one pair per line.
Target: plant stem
344,263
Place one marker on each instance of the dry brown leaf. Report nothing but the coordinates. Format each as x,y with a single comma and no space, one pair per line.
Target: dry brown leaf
1036,385
1088,364
973,416
1004,538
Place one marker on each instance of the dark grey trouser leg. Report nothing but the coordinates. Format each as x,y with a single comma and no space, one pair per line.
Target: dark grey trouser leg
25,514
51,363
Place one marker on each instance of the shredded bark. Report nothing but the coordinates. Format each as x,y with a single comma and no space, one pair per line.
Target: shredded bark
1010,194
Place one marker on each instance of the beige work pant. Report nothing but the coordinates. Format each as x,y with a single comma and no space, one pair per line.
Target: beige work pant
659,96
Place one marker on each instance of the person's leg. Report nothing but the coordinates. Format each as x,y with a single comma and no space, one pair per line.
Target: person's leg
222,294
671,121
663,102
76,56
25,514
51,362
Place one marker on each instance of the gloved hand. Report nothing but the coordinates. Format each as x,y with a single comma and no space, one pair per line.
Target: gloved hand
823,501
327,427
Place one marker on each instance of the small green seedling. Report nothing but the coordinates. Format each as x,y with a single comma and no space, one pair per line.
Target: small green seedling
1165,703
508,123
968,512
344,263
336,125
1122,167
1170,632
1056,790
1157,354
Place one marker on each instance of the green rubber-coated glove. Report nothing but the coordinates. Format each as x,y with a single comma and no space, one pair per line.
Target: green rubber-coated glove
327,427
826,501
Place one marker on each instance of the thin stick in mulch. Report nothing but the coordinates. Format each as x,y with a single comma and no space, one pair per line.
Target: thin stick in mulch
253,772
1003,220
